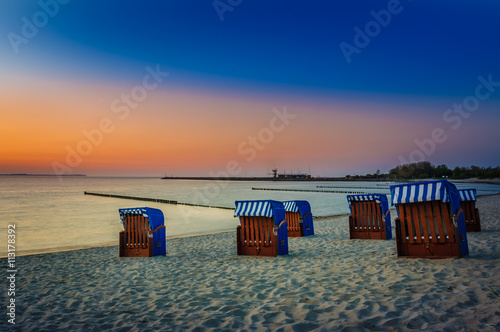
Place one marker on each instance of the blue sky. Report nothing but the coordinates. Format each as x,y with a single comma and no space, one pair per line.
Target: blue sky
429,48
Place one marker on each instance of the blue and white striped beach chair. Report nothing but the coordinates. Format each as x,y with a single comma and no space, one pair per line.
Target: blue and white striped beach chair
468,204
263,230
370,217
144,233
431,223
299,218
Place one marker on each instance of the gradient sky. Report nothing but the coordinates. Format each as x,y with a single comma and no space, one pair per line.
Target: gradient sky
61,86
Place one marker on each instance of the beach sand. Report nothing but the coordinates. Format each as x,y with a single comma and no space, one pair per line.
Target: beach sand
326,283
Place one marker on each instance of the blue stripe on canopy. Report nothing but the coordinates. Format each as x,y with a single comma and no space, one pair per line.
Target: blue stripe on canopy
132,211
467,194
253,208
364,198
291,206
420,192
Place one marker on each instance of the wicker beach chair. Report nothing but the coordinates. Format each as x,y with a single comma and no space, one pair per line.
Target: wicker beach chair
370,217
263,230
468,204
144,232
431,223
299,218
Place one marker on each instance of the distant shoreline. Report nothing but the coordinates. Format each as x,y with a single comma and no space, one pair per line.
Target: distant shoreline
269,179
208,178
476,180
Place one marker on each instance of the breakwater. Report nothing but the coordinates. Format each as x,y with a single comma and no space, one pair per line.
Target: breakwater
155,200
336,187
313,191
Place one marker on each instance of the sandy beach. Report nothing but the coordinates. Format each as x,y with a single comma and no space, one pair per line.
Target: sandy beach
326,283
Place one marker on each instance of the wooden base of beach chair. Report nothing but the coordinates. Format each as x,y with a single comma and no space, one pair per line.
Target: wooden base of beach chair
255,237
144,249
428,250
472,221
295,225
137,238
367,221
426,230
365,233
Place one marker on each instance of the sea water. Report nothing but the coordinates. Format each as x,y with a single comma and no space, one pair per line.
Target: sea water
53,215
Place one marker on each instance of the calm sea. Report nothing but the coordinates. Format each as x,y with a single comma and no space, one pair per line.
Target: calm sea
53,215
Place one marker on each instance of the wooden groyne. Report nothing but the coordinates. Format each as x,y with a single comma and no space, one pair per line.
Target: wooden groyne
313,191
155,200
334,187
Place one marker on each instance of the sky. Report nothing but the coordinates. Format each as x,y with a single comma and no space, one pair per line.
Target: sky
240,87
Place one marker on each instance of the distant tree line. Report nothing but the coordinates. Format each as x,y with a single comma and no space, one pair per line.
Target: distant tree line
425,170
421,170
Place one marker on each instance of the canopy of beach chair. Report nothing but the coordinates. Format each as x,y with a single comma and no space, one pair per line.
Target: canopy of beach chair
261,208
467,194
154,216
438,190
303,207
291,206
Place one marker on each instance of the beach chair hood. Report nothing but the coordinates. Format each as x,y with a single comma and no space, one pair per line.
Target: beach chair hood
467,194
262,208
303,207
155,216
